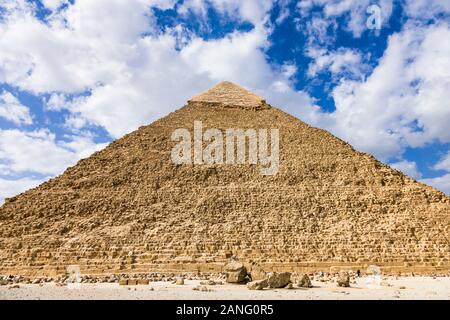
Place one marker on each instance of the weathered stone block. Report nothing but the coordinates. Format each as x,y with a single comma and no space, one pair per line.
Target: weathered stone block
278,279
258,284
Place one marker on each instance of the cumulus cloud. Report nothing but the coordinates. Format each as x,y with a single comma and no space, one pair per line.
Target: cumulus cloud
442,183
56,102
444,163
342,62
407,167
29,158
10,188
12,110
253,11
53,4
319,30
426,9
38,151
239,54
404,102
355,12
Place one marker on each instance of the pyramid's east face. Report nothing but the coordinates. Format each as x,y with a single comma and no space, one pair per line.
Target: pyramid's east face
326,204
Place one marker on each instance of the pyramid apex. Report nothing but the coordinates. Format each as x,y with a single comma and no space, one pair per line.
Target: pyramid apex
228,94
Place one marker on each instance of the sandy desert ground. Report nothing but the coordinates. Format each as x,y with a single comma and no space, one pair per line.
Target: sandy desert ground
390,288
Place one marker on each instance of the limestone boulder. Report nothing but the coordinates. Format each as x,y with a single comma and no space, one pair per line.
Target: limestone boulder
235,272
278,279
305,282
123,282
343,280
257,272
258,284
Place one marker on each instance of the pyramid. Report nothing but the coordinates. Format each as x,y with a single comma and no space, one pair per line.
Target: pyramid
130,209
228,94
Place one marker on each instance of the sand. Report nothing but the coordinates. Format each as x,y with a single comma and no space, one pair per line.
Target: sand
403,288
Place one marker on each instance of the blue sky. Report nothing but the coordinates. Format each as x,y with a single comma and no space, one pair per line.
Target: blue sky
74,75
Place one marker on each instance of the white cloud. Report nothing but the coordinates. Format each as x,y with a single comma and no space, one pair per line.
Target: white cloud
12,110
284,11
39,152
403,102
73,51
426,9
10,188
197,6
75,122
81,146
24,155
444,163
237,57
441,183
354,9
317,30
56,102
407,167
342,62
130,78
20,6
253,11
53,4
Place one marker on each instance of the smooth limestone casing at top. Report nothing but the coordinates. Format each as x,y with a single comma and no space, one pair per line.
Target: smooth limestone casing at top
130,209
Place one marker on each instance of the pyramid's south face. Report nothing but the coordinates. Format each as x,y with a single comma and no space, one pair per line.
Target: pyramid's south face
130,208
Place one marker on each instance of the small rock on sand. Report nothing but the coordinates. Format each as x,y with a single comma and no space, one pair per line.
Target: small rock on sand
201,288
305,282
123,282
143,281
258,284
132,282
278,279
343,279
